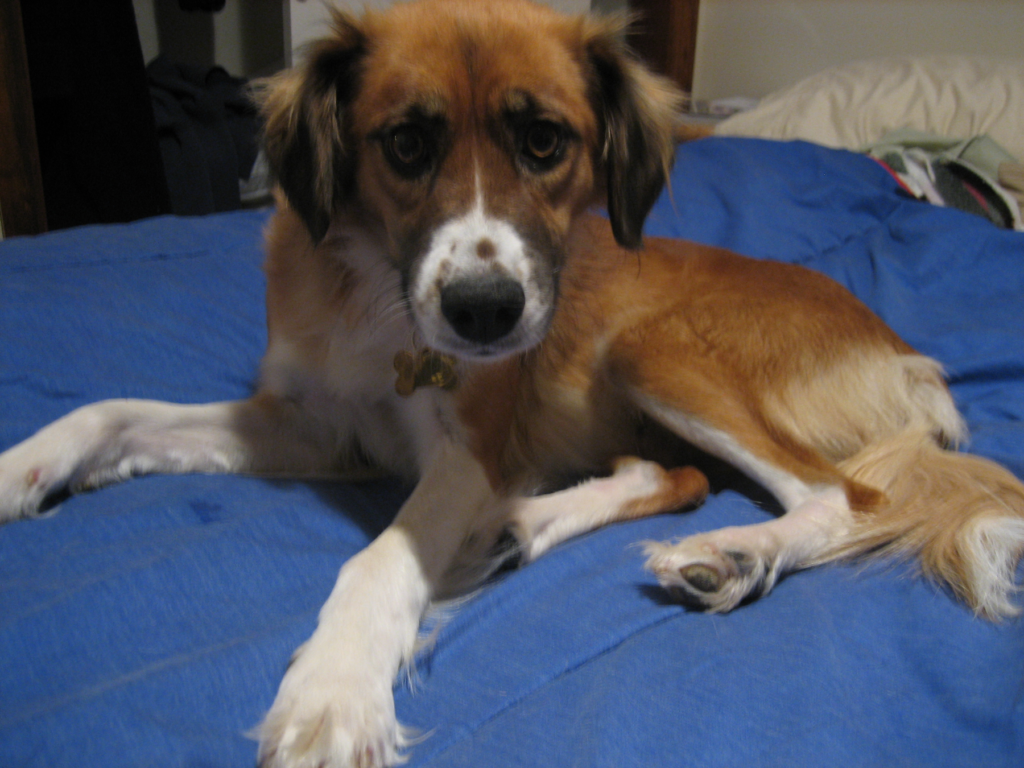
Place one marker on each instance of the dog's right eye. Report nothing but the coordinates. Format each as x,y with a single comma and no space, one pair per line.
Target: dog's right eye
407,149
542,145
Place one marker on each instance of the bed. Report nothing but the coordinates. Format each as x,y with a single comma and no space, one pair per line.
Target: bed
149,623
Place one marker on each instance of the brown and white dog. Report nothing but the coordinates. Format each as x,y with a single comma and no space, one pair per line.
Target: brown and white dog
442,304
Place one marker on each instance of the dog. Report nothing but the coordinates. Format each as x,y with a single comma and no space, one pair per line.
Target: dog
443,304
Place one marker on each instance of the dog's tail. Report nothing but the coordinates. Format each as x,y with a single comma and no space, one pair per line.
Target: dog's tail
961,515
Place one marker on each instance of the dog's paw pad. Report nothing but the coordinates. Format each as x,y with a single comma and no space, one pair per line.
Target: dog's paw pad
745,563
701,577
699,574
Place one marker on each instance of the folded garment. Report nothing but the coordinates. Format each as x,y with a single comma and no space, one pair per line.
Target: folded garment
974,175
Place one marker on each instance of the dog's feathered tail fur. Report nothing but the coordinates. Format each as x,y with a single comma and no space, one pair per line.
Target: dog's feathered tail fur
961,515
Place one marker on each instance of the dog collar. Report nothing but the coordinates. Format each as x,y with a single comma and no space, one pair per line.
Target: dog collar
427,368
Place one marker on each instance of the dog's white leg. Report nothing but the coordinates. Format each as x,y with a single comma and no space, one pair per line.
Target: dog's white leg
335,706
718,569
109,441
635,489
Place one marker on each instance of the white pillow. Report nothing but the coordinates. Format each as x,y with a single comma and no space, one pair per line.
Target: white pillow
856,104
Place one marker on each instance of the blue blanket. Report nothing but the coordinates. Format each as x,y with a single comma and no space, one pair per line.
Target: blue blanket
149,623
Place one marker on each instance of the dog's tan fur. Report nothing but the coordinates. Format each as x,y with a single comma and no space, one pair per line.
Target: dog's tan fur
457,143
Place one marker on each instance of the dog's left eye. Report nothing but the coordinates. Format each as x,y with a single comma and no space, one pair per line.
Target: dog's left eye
407,149
542,143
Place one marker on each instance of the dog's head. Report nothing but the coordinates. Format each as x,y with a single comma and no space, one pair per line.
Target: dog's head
471,135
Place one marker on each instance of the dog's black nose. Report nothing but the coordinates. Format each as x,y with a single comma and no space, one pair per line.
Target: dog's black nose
483,309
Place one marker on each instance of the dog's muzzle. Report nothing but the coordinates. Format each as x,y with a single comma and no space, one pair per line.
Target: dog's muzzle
480,291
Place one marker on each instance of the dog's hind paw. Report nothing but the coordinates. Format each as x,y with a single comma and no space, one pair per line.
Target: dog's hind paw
705,572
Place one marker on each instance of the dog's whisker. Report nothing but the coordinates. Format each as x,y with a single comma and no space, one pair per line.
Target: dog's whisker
385,318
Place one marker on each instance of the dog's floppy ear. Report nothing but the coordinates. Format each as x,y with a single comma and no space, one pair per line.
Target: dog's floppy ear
638,111
304,124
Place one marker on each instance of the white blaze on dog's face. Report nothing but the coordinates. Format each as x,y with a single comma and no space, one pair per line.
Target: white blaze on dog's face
480,289
471,135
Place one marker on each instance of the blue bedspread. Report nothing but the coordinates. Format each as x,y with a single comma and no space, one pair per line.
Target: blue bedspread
148,624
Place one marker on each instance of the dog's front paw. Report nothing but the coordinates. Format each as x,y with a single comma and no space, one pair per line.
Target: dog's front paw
67,455
329,718
710,571
29,472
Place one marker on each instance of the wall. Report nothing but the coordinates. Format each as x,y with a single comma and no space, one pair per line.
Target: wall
744,47
753,47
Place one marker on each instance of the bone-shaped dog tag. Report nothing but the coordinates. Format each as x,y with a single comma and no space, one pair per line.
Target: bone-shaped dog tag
427,369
